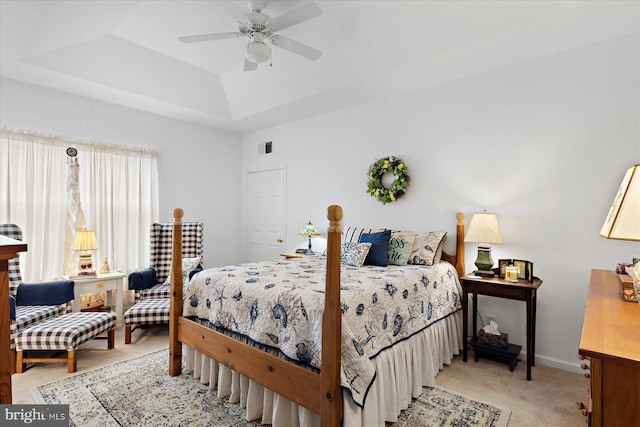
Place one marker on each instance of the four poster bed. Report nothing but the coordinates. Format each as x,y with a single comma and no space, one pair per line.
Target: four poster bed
286,355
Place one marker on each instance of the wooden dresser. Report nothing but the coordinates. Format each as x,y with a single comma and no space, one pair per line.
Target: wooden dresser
9,249
610,346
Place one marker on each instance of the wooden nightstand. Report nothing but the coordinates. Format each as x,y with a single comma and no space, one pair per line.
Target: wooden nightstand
111,282
521,290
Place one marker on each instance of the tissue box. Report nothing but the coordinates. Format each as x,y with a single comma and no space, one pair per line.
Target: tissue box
626,288
492,339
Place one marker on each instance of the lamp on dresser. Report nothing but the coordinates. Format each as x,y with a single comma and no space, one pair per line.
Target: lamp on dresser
623,221
484,229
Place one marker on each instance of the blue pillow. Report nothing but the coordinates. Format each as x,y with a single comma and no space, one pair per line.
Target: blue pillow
378,253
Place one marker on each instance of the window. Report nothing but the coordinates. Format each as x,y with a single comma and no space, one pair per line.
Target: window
118,189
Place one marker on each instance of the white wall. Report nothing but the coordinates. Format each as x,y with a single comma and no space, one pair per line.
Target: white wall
544,144
198,167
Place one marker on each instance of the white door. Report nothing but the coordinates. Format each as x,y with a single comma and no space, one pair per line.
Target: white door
266,211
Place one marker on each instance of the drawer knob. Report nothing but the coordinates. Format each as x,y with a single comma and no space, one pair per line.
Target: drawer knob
587,375
584,366
581,357
583,409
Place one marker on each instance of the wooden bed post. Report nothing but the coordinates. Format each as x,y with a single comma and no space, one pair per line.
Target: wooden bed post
175,346
331,399
460,244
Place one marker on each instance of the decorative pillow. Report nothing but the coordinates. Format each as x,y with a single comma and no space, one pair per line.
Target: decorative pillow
378,254
400,245
188,264
426,246
354,253
352,234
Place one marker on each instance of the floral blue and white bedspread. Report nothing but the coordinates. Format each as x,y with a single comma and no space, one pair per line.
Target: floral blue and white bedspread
280,303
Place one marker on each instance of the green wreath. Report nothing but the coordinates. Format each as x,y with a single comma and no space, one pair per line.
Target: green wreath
378,169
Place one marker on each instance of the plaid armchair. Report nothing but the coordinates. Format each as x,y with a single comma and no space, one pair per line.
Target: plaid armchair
152,282
31,303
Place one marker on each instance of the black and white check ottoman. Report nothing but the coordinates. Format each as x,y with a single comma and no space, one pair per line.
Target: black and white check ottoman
146,313
66,332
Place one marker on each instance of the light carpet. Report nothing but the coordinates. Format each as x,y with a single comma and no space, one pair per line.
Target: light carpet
140,391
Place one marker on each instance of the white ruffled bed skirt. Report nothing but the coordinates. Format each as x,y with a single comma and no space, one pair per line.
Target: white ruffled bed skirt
402,371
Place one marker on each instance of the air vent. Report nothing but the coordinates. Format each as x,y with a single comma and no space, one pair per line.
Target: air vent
265,148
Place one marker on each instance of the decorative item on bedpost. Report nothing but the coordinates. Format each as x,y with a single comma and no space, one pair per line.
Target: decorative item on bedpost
484,229
309,230
85,241
623,220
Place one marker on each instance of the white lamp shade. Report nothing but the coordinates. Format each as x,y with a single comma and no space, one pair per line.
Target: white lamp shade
623,221
484,228
85,241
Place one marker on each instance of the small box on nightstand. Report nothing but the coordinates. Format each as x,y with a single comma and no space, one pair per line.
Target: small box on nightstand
626,288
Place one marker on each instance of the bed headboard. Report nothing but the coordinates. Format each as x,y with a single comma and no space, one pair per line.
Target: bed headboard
354,233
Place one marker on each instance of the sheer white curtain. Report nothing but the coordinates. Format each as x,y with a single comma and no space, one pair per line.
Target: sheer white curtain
119,197
118,192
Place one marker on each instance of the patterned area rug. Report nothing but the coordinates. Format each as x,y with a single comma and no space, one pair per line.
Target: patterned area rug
141,392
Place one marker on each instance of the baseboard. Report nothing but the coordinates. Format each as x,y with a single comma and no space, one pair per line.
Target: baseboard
554,363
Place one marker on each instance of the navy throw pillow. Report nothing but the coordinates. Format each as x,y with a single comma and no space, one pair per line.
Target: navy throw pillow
378,253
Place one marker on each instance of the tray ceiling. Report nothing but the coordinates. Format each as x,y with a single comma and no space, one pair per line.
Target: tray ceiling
128,53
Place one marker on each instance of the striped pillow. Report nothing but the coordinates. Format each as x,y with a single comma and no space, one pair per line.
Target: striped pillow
352,234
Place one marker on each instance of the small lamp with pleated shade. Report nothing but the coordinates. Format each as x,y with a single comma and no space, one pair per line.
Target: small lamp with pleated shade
85,241
484,229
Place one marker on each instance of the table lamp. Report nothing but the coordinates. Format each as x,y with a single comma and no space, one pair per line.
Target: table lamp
484,229
85,241
623,220
309,230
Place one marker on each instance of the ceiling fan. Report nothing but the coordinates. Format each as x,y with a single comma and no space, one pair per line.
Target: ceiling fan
260,27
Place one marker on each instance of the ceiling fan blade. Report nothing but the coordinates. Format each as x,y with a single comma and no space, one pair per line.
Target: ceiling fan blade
250,66
208,37
296,16
295,47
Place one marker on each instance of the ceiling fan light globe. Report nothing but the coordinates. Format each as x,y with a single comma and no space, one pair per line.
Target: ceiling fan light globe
258,52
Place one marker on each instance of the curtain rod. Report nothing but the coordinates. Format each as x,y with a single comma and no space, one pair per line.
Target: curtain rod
57,139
